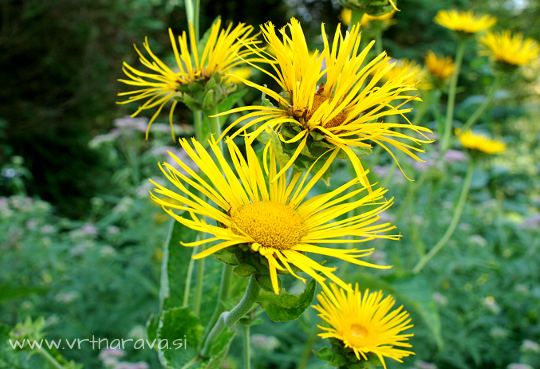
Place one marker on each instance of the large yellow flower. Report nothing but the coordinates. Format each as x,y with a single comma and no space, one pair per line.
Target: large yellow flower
337,96
364,322
462,21
274,218
440,67
474,141
510,49
224,50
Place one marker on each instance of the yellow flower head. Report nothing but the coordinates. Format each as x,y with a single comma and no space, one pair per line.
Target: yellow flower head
440,67
237,75
274,218
462,21
510,49
156,86
473,141
337,96
409,73
346,15
364,322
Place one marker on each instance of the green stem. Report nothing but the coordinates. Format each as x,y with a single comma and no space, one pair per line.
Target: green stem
187,287
192,13
198,287
231,317
458,209
308,348
378,40
445,144
198,122
356,18
487,102
215,127
49,358
245,339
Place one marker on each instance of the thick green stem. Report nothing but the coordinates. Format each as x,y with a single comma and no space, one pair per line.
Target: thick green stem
487,102
247,353
192,13
458,210
198,287
189,274
356,18
230,318
198,122
378,40
45,354
445,143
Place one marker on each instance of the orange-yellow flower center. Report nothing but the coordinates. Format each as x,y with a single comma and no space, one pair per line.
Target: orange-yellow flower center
318,100
269,223
357,334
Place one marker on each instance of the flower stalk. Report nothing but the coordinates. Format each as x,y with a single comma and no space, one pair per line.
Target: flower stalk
458,210
229,318
445,144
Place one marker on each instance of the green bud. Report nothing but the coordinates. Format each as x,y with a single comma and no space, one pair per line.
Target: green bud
371,7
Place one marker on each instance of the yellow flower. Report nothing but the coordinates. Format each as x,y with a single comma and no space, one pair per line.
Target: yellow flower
346,15
473,141
224,50
364,323
273,217
440,67
510,49
462,21
337,96
409,73
237,75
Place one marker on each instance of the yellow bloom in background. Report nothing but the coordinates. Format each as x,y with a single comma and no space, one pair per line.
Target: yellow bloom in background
159,84
274,218
237,75
364,322
346,15
510,48
337,95
474,141
440,67
464,21
408,72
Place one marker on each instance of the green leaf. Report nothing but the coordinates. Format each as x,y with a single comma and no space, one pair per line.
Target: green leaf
244,270
285,307
175,265
230,100
179,324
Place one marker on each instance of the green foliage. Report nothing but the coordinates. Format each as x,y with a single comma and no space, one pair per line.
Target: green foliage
285,307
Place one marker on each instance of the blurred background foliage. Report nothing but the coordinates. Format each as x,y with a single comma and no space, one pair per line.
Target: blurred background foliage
79,234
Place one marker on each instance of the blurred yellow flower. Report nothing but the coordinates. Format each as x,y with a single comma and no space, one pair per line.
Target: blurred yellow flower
464,21
272,217
346,15
510,48
364,322
236,75
409,73
224,50
474,141
347,109
440,67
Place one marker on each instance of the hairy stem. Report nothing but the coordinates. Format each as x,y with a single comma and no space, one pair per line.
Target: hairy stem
458,210
231,317
487,102
245,340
